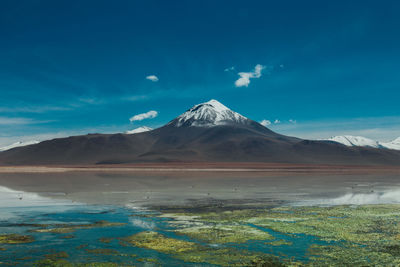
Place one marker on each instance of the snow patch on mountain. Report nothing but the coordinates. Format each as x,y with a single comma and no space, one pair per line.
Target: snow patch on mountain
18,144
349,140
211,113
139,130
395,144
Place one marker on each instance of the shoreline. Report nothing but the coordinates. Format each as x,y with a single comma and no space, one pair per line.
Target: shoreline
207,168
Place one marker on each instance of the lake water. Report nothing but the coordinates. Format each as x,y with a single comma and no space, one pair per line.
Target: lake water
135,220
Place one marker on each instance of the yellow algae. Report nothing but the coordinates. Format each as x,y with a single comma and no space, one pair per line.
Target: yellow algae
15,239
103,251
225,233
106,239
280,242
192,252
156,241
64,229
359,235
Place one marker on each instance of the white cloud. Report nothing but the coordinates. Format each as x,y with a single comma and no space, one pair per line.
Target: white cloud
152,78
292,121
230,69
245,77
265,122
277,121
148,115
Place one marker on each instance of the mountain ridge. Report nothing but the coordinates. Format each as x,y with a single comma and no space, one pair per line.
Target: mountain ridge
208,132
350,140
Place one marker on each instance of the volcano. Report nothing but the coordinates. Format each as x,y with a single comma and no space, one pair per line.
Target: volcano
207,132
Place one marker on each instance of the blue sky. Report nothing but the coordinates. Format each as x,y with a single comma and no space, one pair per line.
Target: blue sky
73,67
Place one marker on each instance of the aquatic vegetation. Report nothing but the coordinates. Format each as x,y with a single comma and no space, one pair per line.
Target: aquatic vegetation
156,241
280,242
103,251
53,263
15,239
193,252
67,236
58,255
82,246
55,259
356,235
105,239
229,257
367,235
59,260
221,234
148,260
65,263
64,229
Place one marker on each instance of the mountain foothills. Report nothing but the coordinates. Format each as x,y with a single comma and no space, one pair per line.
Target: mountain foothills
208,132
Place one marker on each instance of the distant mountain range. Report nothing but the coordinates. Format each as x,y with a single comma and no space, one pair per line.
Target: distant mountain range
349,140
139,130
208,132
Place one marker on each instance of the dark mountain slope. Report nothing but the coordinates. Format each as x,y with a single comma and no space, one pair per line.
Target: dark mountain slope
207,132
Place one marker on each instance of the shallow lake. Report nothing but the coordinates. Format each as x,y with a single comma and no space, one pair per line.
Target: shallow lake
202,219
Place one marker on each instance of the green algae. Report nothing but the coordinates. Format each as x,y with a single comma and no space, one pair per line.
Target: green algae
82,246
156,241
65,228
16,239
65,263
149,260
280,242
106,240
103,251
67,236
58,255
220,234
356,235
59,260
192,252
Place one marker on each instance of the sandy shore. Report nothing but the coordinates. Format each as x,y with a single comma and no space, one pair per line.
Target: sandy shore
206,167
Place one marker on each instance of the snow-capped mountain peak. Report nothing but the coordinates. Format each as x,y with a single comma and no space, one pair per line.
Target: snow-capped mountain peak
139,130
18,144
349,140
211,113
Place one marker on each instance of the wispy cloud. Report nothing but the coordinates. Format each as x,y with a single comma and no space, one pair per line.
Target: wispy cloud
20,121
245,77
152,78
230,69
148,115
277,121
33,109
265,122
